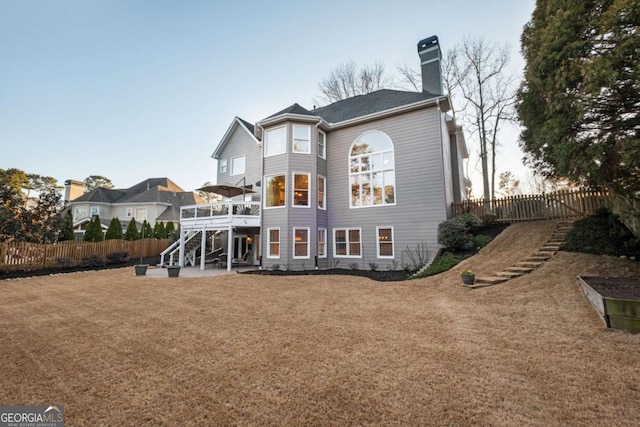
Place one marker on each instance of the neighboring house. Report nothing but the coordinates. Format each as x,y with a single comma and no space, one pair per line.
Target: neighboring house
354,183
154,200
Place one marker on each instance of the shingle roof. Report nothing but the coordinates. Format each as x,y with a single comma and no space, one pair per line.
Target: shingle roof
374,102
293,109
152,190
248,125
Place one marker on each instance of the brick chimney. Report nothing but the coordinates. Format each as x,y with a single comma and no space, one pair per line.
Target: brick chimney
430,57
73,189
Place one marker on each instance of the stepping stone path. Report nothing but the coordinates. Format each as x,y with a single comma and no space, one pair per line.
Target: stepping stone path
530,263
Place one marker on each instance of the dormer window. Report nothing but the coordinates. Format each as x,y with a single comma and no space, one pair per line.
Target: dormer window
301,139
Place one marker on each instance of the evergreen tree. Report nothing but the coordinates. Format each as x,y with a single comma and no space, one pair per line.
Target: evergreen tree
132,231
172,234
115,229
147,231
93,232
67,234
159,232
580,96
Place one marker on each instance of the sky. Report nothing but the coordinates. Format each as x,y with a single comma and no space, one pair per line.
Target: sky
135,89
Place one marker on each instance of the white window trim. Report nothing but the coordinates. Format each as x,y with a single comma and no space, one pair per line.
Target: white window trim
308,243
93,209
233,172
324,199
269,255
347,229
222,164
325,145
293,140
266,141
395,187
129,213
264,191
293,190
325,242
146,213
393,244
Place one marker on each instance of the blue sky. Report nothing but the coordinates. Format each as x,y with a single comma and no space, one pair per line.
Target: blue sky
140,88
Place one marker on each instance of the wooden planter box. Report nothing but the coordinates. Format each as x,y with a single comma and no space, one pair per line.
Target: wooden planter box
617,300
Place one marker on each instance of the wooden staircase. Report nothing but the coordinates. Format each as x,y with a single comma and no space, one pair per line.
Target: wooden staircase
530,263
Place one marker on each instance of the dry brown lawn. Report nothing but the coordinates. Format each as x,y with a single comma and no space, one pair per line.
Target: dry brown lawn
120,350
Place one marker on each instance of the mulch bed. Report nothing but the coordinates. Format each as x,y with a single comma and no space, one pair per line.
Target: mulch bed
615,287
20,274
380,276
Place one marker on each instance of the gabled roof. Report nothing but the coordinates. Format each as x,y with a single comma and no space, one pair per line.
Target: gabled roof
237,121
374,102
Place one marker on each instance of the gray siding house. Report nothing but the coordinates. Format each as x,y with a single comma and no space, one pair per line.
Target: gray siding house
351,184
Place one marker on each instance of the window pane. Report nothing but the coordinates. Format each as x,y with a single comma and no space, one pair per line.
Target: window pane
275,141
275,191
322,242
365,191
376,162
301,246
301,138
237,166
385,241
341,242
354,242
389,187
321,145
274,242
376,185
355,190
355,164
386,249
301,190
321,183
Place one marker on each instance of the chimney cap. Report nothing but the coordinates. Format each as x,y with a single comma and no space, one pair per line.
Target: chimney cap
427,43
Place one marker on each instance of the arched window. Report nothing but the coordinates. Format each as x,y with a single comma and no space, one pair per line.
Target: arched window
372,175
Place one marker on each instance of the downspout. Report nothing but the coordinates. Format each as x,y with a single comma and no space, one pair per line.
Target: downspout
315,208
262,233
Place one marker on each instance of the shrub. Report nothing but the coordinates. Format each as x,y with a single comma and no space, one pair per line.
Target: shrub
373,266
93,261
481,240
159,231
601,234
469,219
65,262
275,267
117,257
418,256
354,266
93,232
147,231
443,263
172,233
67,233
454,234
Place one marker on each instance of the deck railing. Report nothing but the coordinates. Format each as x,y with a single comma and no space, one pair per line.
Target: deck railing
557,205
221,211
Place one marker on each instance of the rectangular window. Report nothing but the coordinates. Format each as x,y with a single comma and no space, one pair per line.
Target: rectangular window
273,243
274,191
346,242
222,164
301,139
129,212
79,212
275,141
322,137
322,203
301,189
95,210
385,242
141,214
301,243
238,165
322,242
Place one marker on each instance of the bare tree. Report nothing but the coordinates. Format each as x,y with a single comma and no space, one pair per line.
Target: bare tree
349,79
475,71
509,185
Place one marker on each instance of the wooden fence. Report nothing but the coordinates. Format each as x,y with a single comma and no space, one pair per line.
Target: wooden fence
558,205
20,255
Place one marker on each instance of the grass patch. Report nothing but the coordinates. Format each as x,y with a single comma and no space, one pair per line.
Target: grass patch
444,262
